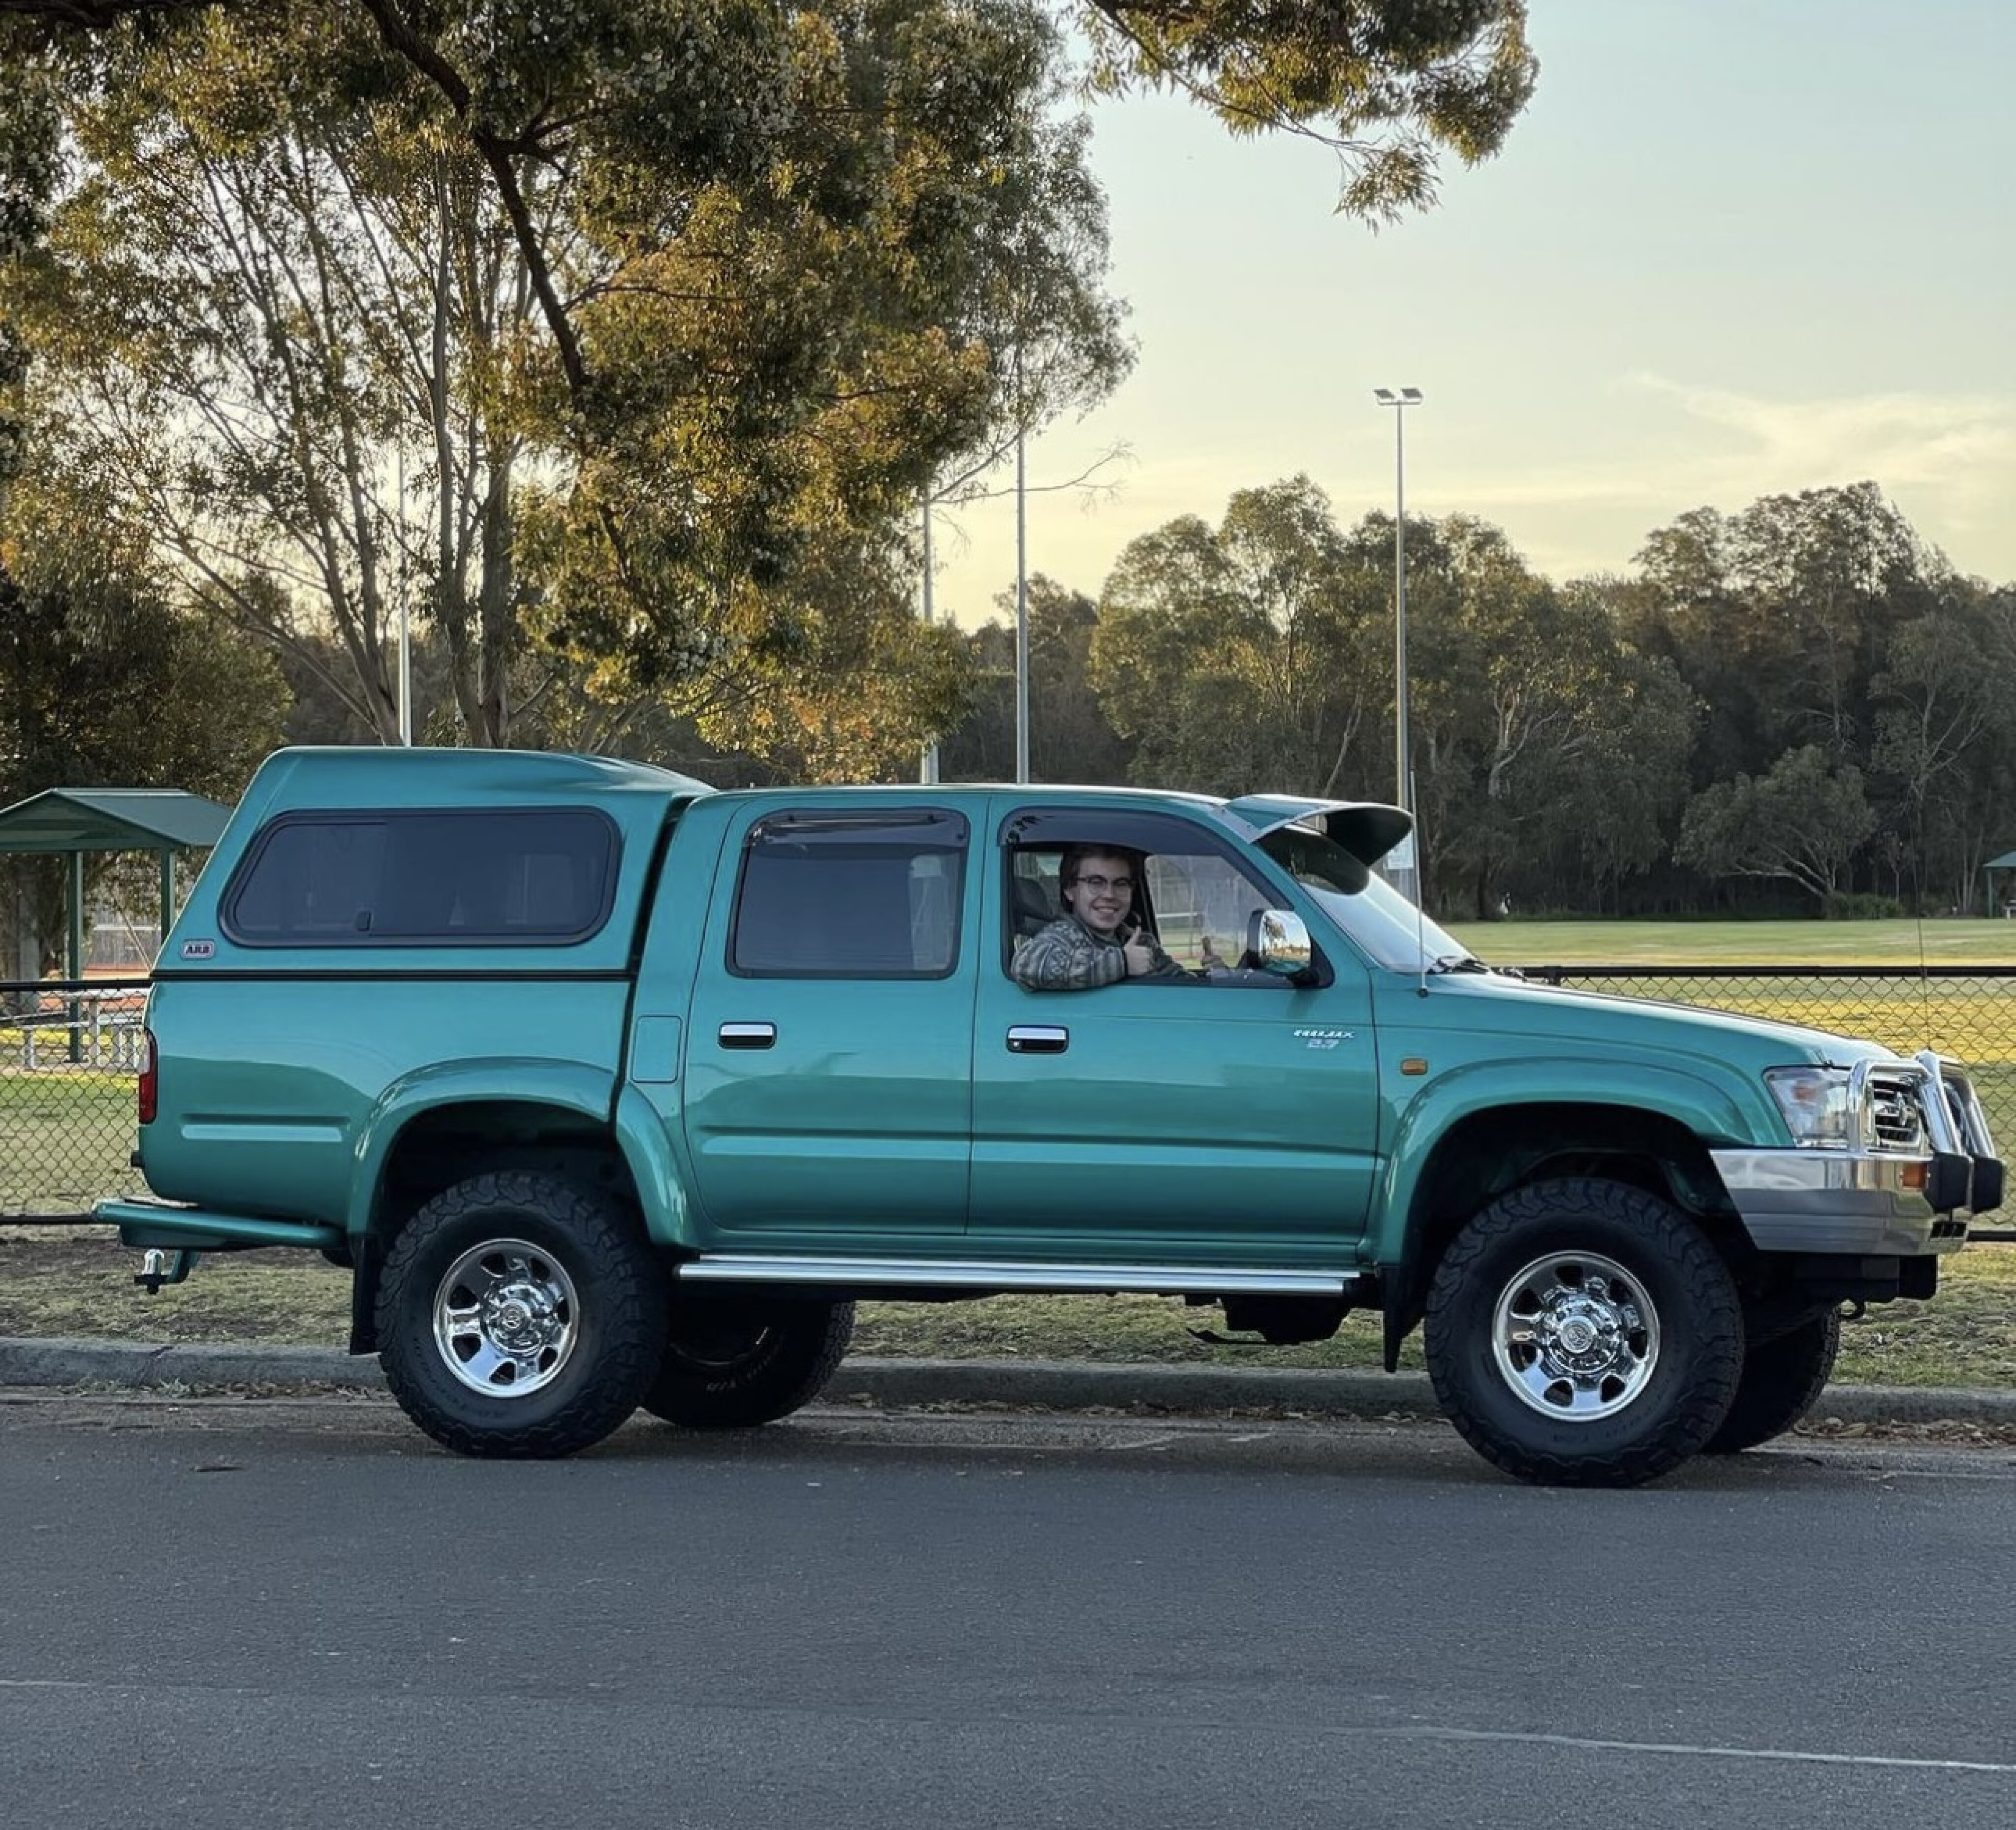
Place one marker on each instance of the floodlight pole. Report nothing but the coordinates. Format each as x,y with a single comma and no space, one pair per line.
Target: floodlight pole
405,614
1021,579
929,772
1403,775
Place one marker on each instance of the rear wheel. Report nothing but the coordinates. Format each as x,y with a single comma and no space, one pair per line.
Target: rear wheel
1584,1333
732,1361
1781,1380
519,1314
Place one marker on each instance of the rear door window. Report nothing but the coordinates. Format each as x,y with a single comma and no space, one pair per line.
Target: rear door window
850,895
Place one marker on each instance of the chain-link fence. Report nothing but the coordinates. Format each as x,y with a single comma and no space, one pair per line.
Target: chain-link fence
69,1057
70,1053
1968,1012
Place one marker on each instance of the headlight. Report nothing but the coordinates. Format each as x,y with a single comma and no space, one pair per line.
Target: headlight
1814,1103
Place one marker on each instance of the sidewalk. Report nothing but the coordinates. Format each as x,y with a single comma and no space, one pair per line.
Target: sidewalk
1056,1384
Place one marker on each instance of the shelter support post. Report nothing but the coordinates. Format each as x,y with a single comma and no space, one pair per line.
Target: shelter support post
76,953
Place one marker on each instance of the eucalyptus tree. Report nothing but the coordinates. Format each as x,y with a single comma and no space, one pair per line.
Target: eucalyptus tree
1517,694
30,165
750,309
1246,656
676,356
1071,738
1801,822
1837,571
1945,750
106,681
264,296
1779,617
1618,810
1387,84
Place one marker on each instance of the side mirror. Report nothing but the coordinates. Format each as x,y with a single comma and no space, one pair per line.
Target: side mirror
1277,941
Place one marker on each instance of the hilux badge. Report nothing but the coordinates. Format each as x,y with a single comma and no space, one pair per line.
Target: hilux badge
1323,1038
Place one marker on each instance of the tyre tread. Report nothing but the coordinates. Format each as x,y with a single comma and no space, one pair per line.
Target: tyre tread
627,1331
1782,1380
811,1356
1707,1291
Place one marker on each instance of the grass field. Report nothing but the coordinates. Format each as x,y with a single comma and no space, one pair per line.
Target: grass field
57,1283
65,1135
1950,943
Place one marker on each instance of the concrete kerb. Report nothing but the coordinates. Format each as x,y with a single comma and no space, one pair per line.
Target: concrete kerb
898,1384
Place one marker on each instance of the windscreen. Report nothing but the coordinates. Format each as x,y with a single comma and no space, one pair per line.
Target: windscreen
1383,922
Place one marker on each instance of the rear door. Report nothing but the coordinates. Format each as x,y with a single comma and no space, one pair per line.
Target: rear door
829,1089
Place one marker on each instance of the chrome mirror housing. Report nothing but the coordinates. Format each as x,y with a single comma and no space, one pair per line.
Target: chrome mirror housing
1277,941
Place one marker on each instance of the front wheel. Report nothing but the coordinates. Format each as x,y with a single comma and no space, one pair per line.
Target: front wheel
733,1361
520,1316
1781,1379
1584,1333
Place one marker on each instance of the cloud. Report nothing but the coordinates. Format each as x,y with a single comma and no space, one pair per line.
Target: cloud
1575,495
1963,446
1947,461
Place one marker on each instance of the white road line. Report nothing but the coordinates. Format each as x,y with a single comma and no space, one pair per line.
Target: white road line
43,1683
1707,1751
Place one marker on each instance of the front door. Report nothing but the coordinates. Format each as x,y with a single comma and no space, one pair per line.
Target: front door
1226,1116
829,1095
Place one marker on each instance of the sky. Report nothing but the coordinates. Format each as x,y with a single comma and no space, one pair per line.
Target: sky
1733,248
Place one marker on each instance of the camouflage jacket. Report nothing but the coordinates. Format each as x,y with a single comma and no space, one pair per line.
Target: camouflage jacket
1067,955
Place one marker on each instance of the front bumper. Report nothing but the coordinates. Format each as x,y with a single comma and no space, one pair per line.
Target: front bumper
1907,1194
1814,1201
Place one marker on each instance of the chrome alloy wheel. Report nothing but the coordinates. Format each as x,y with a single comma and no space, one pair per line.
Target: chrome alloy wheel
1575,1336
506,1318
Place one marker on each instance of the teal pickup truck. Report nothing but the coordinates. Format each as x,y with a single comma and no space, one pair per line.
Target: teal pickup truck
614,1093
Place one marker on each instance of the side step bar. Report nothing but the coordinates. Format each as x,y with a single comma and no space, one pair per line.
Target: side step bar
889,1273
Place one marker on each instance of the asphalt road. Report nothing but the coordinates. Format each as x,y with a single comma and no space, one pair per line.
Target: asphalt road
301,1613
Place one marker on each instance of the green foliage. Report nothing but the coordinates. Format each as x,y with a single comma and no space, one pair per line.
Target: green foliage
1860,905
673,308
104,683
670,312
1070,739
1802,821
1387,83
1246,657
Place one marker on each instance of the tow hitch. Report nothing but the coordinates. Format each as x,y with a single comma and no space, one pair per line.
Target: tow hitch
158,1267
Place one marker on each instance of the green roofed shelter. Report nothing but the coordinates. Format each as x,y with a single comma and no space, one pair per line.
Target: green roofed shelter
73,821
2006,862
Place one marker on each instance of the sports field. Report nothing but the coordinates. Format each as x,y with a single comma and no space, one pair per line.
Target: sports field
1517,943
1915,1004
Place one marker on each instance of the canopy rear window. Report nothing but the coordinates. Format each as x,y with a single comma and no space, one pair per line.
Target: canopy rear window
519,877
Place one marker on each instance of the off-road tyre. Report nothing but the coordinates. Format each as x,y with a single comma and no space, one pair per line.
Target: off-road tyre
520,1316
733,1361
1782,1379
1617,1292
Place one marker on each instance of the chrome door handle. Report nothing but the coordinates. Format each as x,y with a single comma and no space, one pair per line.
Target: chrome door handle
747,1036
1037,1038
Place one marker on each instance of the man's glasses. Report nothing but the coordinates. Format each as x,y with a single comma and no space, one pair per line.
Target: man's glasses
1100,885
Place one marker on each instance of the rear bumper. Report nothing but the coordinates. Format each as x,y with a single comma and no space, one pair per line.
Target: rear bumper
162,1223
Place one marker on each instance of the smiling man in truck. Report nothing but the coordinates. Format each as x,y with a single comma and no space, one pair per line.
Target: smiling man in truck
1095,941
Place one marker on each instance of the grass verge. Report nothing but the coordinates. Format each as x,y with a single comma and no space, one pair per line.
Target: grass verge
58,1282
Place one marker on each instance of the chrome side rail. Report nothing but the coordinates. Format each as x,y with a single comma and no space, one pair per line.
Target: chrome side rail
734,1267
